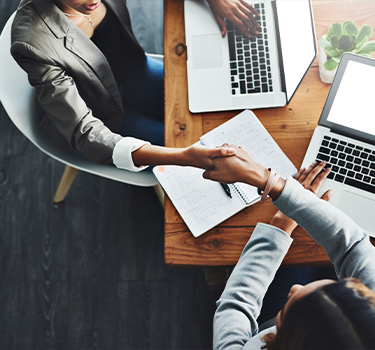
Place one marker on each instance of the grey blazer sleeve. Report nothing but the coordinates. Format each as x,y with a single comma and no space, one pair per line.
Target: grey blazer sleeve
239,305
346,244
59,96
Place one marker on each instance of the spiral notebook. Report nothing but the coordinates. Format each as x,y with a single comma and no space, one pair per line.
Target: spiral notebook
202,203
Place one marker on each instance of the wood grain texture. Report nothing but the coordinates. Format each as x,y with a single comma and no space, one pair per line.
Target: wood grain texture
291,126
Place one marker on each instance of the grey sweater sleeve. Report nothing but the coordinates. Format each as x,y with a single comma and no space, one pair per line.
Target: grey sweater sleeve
346,244
240,304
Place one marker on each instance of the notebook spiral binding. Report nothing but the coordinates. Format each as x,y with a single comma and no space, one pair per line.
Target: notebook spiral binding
241,194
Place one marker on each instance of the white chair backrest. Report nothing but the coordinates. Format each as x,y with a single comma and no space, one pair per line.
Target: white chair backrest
18,99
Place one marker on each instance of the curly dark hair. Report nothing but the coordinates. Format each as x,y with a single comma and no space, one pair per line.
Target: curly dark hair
336,316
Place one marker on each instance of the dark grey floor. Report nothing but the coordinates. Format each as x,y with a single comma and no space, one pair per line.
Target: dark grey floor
89,274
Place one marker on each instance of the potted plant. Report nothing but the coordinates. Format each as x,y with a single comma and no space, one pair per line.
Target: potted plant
339,39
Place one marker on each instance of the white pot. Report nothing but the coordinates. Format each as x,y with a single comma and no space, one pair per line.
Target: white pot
326,76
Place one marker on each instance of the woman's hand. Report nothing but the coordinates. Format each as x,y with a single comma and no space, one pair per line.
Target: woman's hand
312,179
239,12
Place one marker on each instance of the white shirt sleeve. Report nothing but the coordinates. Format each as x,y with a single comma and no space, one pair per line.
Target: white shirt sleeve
122,153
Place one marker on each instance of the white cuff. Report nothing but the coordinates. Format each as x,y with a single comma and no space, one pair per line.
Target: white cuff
122,153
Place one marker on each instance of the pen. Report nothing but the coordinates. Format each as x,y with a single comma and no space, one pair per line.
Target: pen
226,189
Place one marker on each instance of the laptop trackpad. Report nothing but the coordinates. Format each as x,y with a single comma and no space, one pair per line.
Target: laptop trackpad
207,51
360,209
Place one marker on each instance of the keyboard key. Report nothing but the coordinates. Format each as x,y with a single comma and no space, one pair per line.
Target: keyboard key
334,153
326,137
325,143
342,156
351,173
360,185
233,72
234,85
343,142
373,182
341,163
349,166
357,161
365,171
242,87
335,169
324,150
371,158
366,179
372,173
367,150
339,178
340,148
343,171
357,168
364,155
351,145
232,49
334,160
349,158
348,150
372,165
356,153
331,175
322,156
358,176
359,147
365,163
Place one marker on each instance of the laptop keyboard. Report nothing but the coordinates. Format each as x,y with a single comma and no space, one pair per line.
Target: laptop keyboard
250,66
351,164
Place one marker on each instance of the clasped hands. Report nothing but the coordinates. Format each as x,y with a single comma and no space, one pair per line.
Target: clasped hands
240,167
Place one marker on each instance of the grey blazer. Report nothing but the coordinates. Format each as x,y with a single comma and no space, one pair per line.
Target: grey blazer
74,83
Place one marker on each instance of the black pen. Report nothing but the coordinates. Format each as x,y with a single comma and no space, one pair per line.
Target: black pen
226,189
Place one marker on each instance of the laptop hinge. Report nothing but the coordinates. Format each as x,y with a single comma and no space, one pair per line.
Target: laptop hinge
279,51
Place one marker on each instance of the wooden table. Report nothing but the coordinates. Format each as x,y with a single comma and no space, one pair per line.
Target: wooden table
291,127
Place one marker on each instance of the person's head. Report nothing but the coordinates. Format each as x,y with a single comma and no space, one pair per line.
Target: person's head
326,315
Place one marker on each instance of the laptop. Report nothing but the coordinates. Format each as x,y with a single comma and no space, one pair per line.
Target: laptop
345,138
236,72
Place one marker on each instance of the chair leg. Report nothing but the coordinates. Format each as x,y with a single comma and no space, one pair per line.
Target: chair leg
160,193
65,183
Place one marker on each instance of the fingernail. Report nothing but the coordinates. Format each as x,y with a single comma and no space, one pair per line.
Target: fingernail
231,151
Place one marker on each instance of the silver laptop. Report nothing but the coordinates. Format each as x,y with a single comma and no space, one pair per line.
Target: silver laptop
235,72
345,138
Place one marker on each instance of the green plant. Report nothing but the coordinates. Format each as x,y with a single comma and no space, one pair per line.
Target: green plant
346,38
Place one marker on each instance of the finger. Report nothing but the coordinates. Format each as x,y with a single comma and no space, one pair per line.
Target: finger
314,172
238,23
222,152
326,195
319,180
300,172
221,23
250,7
207,174
247,17
306,172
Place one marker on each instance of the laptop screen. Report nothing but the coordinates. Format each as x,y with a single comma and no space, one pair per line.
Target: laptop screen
297,41
349,108
353,106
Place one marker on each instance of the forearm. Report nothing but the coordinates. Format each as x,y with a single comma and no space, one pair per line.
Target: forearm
240,304
347,246
157,155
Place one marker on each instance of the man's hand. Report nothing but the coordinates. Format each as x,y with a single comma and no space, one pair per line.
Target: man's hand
239,12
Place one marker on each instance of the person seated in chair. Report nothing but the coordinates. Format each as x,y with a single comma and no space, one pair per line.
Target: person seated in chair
95,84
324,314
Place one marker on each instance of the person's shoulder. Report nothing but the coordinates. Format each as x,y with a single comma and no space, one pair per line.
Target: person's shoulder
25,22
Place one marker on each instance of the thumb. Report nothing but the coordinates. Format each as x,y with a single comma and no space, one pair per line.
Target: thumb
222,152
327,195
221,24
207,174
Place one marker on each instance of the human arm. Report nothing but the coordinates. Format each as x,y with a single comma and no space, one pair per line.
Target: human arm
346,244
239,12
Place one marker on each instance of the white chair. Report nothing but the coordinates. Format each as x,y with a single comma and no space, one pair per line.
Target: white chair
17,98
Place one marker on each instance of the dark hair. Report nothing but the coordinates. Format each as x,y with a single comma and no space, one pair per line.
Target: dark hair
336,316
